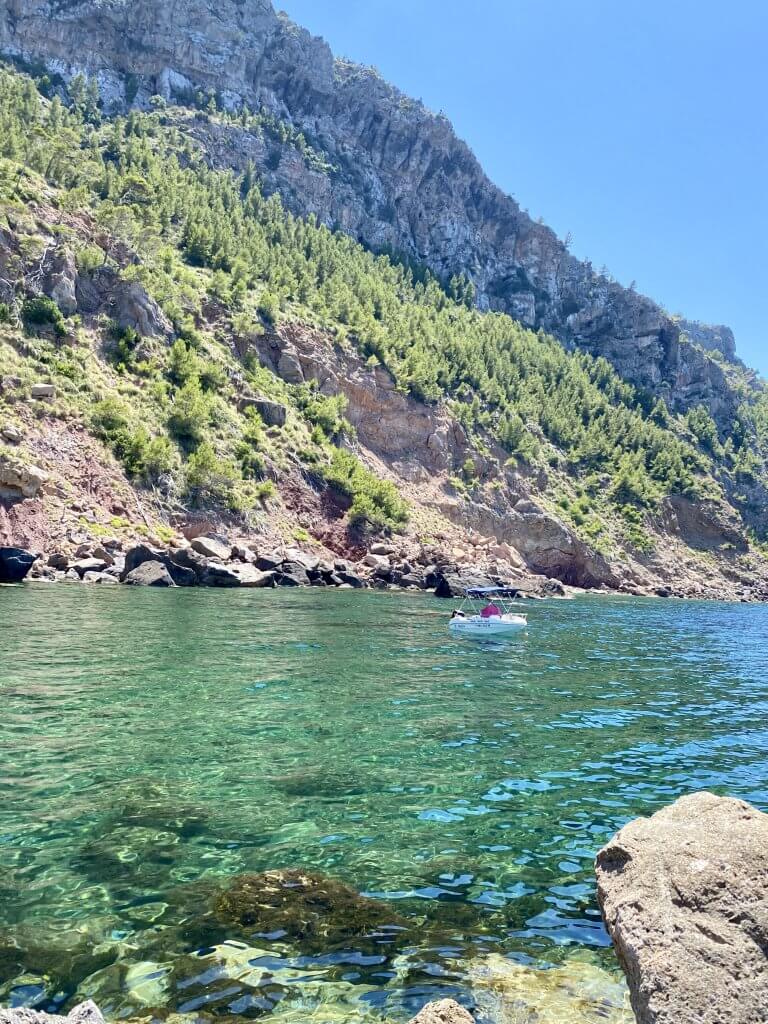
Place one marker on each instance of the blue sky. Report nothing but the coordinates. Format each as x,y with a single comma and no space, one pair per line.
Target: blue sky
639,126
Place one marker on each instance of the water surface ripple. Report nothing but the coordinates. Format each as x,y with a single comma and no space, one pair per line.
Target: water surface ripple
154,743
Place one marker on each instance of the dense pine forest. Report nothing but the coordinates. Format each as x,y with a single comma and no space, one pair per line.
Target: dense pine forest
207,238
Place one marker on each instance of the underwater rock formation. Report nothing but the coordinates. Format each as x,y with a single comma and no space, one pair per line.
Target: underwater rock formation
305,908
85,1013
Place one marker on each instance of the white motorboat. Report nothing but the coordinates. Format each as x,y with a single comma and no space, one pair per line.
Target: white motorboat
493,619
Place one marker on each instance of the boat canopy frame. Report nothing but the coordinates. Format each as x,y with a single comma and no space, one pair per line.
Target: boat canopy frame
478,593
506,597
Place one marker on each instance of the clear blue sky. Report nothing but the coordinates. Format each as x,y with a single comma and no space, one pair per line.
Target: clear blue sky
640,126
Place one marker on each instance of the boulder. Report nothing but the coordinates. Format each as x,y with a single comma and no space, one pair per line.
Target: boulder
308,562
15,563
382,549
188,558
101,552
181,574
236,574
84,565
100,577
253,578
456,584
213,547
42,391
20,478
412,580
272,413
59,561
445,1011
10,433
295,571
349,579
149,574
84,1013
267,562
373,561
684,895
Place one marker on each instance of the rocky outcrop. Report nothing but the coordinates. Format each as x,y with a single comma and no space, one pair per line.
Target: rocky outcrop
383,168
684,895
711,337
15,564
444,1011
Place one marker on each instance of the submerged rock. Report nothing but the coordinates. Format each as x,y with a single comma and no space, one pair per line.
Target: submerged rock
314,912
577,991
445,1011
684,895
85,1013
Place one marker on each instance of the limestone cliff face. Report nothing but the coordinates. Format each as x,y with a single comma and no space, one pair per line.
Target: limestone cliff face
397,174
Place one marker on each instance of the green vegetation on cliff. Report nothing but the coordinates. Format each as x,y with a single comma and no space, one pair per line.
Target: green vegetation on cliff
210,237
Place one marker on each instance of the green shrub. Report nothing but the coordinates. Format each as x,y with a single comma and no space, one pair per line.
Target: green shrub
209,477
123,355
248,448
324,411
190,414
5,313
41,311
144,457
375,502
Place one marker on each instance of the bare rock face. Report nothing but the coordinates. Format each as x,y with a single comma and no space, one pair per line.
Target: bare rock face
445,1011
684,895
389,171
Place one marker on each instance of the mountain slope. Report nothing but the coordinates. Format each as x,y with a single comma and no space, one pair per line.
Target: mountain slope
383,169
232,357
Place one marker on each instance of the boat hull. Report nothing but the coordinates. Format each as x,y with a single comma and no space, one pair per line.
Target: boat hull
477,626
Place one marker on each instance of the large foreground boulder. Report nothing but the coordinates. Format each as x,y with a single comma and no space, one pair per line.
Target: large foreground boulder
15,563
684,895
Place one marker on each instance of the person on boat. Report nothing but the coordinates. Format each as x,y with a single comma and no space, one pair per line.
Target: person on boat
457,613
490,610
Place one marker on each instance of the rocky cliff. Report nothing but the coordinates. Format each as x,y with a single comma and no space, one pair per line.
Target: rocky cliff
387,171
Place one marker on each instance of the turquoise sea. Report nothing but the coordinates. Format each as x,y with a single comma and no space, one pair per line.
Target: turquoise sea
157,744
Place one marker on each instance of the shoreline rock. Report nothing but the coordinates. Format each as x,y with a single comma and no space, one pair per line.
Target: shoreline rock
15,564
684,896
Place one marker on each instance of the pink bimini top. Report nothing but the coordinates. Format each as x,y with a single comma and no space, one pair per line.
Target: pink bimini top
489,610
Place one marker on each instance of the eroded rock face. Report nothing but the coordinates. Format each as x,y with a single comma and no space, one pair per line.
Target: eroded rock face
390,172
684,895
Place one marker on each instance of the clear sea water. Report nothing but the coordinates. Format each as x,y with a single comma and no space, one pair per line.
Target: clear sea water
156,744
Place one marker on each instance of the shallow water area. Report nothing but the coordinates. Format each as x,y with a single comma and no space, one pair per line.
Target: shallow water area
157,744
